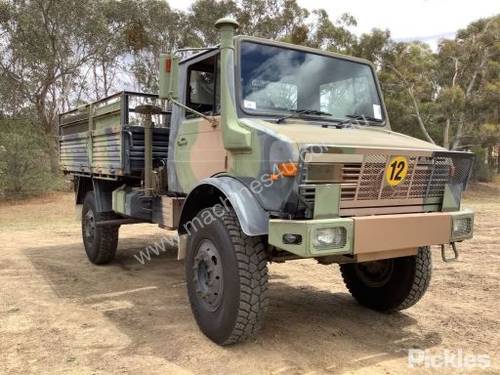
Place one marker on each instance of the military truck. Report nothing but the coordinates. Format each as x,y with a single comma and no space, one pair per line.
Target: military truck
257,151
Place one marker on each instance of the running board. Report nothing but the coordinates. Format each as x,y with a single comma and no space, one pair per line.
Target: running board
119,222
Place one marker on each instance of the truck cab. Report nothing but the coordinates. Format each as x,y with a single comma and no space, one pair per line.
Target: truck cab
258,151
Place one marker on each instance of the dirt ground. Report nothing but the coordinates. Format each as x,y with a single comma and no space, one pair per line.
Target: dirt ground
60,314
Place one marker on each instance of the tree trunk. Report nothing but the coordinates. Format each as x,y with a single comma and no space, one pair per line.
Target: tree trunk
54,156
409,89
446,130
468,92
446,134
419,116
50,132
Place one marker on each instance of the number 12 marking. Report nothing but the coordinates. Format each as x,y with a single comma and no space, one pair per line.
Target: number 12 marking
396,170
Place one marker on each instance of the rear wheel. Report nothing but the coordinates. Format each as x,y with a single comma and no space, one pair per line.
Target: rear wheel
226,274
100,241
390,284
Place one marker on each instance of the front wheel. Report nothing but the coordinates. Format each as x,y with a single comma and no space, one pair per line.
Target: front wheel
390,284
226,274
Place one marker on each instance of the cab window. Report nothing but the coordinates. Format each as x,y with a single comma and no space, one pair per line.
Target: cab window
203,91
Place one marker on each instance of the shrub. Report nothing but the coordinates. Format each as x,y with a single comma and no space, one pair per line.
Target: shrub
482,171
24,159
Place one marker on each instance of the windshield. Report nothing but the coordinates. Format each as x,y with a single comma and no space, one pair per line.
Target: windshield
279,80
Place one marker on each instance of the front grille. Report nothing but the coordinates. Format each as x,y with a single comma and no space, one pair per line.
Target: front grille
347,175
426,178
364,183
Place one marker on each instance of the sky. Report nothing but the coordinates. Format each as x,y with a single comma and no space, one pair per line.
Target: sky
425,20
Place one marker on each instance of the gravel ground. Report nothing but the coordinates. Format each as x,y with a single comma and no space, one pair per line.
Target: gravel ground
60,314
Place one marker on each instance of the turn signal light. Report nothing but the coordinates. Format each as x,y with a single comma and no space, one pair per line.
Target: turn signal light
286,170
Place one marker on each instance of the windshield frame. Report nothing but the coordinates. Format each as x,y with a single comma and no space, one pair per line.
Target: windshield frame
275,115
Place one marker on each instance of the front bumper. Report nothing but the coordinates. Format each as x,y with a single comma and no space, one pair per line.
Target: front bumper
381,234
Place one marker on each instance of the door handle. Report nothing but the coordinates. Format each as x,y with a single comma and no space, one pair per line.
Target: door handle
182,141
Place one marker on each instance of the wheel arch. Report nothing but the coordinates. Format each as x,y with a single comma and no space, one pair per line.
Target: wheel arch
226,191
102,189
82,185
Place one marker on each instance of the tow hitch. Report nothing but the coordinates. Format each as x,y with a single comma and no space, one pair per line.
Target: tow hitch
455,252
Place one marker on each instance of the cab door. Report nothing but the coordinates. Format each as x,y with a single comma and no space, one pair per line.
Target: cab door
199,148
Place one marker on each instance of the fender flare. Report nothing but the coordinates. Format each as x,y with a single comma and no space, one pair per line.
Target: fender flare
252,217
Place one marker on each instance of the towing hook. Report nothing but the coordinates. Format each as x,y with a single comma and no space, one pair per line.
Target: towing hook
455,253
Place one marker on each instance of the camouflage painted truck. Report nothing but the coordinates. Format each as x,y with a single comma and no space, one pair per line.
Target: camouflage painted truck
255,152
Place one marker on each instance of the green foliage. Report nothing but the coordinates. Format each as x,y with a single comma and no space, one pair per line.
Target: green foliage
406,77
374,46
467,79
24,159
202,17
482,170
56,54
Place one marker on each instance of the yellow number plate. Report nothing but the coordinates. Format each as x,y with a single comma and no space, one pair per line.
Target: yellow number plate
396,170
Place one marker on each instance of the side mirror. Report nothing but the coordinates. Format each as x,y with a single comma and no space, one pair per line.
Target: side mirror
169,76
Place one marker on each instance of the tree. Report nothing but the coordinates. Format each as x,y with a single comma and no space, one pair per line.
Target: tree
374,46
23,151
468,71
55,54
283,20
202,16
332,35
407,79
42,50
149,28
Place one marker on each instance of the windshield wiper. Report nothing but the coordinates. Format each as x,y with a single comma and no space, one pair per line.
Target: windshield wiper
298,112
354,117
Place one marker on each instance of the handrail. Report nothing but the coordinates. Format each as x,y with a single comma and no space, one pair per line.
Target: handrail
84,109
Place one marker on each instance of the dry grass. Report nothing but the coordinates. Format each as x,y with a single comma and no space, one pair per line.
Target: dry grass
50,210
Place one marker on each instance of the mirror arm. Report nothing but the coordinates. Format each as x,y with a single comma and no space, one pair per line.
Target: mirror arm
210,119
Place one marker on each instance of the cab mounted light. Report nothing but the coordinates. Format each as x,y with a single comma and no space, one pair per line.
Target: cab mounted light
168,65
165,76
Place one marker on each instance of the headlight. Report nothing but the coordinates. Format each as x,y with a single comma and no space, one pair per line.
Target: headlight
462,226
330,237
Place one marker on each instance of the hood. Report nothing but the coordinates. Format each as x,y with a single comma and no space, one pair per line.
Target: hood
356,136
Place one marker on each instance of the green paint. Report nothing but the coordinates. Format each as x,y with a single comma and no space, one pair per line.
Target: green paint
249,163
186,138
327,201
277,228
235,135
105,122
90,131
449,201
118,199
110,109
306,228
164,77
173,91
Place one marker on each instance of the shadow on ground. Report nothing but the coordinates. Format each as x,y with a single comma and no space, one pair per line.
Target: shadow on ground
306,328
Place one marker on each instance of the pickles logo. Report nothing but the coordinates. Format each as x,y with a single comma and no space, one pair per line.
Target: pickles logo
396,170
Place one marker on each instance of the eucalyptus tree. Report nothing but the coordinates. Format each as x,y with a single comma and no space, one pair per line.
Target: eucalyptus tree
43,46
469,76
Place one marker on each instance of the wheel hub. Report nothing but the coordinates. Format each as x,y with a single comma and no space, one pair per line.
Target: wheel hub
207,275
89,228
376,273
